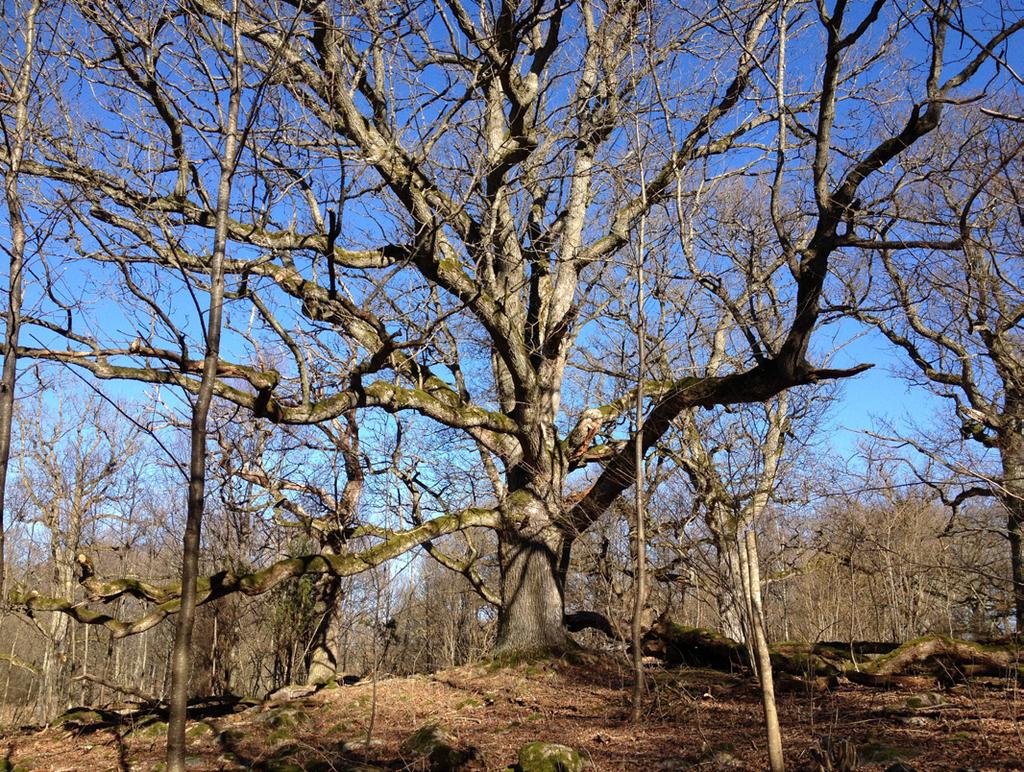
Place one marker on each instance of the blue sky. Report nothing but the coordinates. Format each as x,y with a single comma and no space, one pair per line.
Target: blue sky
879,393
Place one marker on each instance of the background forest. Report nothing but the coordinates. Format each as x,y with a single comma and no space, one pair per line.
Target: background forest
360,338
848,556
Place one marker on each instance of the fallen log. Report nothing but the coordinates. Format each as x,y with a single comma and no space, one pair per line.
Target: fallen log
694,647
920,663
949,660
891,681
929,647
699,647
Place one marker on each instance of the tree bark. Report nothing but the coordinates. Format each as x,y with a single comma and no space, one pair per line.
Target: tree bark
59,673
764,662
16,141
1012,497
532,593
322,657
730,590
181,656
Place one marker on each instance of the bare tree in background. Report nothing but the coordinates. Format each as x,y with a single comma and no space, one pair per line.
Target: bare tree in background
73,474
954,305
319,500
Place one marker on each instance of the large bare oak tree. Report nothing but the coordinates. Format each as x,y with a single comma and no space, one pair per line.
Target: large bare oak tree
426,219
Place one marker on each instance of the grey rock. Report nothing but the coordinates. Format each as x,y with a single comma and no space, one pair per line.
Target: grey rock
438,746
291,692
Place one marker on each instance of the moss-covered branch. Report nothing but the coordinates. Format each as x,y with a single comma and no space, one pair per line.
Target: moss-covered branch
435,399
941,654
871,664
166,597
16,662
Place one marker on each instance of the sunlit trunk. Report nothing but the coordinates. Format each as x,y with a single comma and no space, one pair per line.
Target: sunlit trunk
1012,452
532,592
16,143
730,590
322,657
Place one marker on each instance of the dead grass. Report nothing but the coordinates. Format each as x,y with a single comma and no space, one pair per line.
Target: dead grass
695,719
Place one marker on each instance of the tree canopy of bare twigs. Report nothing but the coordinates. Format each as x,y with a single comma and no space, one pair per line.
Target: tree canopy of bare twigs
428,222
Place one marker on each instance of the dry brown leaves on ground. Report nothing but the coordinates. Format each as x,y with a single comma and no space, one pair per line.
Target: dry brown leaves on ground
694,719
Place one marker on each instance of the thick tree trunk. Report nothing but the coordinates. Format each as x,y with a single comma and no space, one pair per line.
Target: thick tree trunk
1012,498
60,626
730,590
1015,521
532,592
322,657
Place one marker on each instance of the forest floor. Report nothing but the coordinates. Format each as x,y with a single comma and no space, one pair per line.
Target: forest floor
694,719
